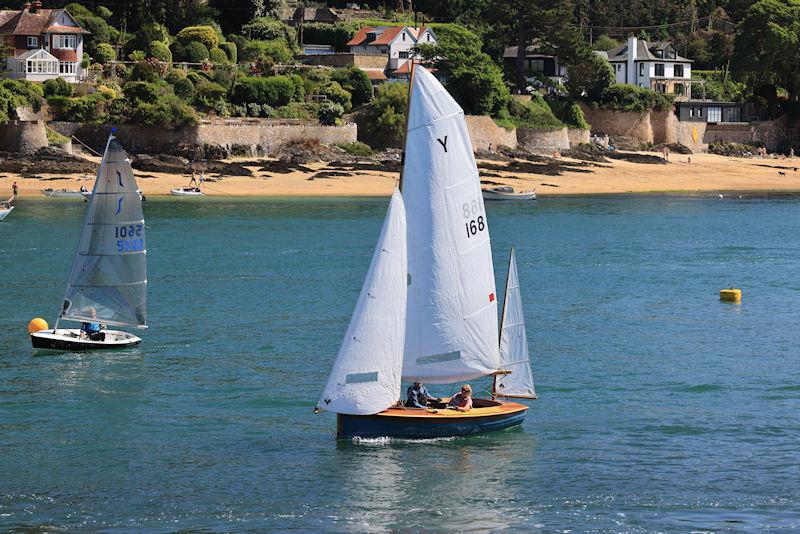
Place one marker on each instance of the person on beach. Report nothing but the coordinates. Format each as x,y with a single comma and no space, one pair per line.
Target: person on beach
93,330
462,401
417,396
14,189
791,152
193,180
665,152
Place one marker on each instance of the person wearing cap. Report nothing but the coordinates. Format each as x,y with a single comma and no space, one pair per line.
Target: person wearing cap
418,397
462,401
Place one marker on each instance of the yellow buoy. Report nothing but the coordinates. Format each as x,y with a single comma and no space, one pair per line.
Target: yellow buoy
37,324
730,295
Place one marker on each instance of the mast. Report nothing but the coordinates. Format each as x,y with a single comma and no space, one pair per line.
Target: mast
405,126
85,219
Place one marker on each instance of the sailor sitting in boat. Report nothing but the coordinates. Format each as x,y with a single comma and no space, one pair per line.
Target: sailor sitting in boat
93,330
418,396
462,401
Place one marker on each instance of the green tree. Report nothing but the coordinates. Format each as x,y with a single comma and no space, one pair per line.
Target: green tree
267,29
357,83
589,78
206,35
57,87
196,52
160,51
386,121
604,43
105,53
216,55
335,93
330,112
230,51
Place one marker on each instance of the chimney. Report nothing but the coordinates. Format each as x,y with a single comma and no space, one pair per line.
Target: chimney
631,66
36,5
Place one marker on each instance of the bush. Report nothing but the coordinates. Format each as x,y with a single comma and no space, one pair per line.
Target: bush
142,91
624,97
209,94
145,72
149,32
356,148
184,88
104,53
335,93
24,93
104,13
230,51
386,119
137,55
330,112
357,83
168,111
267,29
590,76
534,114
173,75
605,43
299,87
57,87
206,35
569,113
160,50
178,51
297,110
251,49
196,52
216,55
275,91
88,109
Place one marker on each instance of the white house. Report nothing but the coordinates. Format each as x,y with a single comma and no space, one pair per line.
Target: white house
394,42
42,43
654,65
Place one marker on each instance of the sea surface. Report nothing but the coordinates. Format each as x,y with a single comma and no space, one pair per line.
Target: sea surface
661,408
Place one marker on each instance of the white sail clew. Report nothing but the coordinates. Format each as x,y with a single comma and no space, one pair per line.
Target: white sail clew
366,376
451,330
109,271
514,341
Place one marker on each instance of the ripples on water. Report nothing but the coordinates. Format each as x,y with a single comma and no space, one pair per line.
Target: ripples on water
661,408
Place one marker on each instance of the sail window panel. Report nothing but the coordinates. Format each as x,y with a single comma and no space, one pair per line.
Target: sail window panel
124,305
439,358
101,271
361,378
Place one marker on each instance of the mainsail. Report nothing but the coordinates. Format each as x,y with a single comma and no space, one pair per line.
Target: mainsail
514,342
109,273
451,327
366,376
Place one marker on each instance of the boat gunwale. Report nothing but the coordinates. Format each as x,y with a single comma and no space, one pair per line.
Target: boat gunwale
505,408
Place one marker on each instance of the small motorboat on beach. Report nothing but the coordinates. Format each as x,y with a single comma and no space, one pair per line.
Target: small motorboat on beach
427,311
107,282
506,192
186,192
62,193
5,209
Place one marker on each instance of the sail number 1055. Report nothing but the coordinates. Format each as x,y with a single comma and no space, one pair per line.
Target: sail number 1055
474,223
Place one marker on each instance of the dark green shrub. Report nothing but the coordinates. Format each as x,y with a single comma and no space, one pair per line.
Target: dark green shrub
184,88
57,87
104,53
160,51
103,12
142,91
217,56
356,148
209,94
168,111
329,112
335,93
356,82
230,51
24,93
534,114
196,52
624,97
267,29
173,75
275,91
144,71
178,51
87,109
386,119
299,87
251,49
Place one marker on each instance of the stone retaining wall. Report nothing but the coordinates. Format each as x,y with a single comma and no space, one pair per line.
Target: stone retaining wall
483,131
578,136
24,137
544,140
213,139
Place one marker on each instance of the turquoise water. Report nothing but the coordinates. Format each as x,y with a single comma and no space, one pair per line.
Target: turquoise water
661,408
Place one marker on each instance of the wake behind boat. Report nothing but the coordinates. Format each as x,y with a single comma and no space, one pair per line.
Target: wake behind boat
506,192
427,311
107,283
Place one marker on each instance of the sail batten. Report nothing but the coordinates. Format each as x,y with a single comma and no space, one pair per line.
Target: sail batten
452,305
366,375
108,275
514,353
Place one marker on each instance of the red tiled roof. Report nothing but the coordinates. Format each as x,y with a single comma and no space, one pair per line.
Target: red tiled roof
64,55
388,35
384,38
375,75
359,37
25,22
405,68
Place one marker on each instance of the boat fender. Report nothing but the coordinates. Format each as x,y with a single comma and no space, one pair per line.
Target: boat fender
36,325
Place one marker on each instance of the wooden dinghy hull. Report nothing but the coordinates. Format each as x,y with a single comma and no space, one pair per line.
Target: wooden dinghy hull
410,423
70,340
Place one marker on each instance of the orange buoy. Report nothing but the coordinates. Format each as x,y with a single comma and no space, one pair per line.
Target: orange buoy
730,295
36,325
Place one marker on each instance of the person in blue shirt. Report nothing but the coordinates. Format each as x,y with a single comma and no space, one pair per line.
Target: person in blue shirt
93,330
417,396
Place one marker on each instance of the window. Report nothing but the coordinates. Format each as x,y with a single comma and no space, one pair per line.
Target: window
714,114
536,65
33,42
691,112
69,42
404,36
641,69
41,66
67,67
699,112
404,55
679,89
659,69
429,38
678,71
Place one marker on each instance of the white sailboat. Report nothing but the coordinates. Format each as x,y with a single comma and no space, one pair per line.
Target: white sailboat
449,316
108,280
6,207
514,353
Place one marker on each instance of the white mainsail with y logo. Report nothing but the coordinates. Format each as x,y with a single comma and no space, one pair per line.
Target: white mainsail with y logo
451,323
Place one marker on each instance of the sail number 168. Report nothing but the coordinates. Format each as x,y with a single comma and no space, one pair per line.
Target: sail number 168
473,224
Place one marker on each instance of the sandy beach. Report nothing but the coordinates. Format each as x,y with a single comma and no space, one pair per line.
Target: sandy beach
562,176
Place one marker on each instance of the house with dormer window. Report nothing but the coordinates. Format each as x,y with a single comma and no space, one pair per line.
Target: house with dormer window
393,42
654,65
42,43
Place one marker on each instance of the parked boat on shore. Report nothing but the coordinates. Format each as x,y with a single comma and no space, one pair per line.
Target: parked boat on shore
62,193
186,192
506,192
